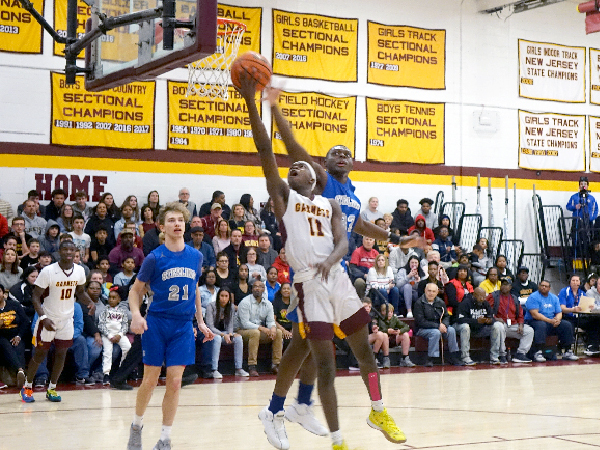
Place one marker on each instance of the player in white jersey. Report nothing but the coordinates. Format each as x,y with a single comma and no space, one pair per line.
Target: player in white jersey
65,282
316,241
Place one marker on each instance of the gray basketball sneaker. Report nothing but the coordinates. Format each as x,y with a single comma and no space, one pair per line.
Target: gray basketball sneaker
135,438
163,445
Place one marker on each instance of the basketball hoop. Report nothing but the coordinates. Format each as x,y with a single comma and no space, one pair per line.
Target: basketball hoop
209,77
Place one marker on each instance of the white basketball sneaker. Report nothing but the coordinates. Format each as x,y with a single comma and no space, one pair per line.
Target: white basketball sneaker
303,415
274,428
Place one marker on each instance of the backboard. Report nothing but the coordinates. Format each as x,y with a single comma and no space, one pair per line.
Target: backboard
135,52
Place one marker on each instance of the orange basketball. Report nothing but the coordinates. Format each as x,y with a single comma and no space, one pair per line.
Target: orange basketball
255,65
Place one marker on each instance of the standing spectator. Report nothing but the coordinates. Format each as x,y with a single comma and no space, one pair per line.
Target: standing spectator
266,255
371,214
112,210
236,252
271,284
35,226
283,268
50,240
509,321
474,318
55,206
18,232
10,272
402,217
82,240
113,326
14,329
217,197
219,318
209,261
222,236
250,213
153,202
361,261
81,207
65,221
433,322
424,231
521,287
209,222
398,334
257,325
544,315
101,219
407,281
184,197
250,237
491,282
118,254
583,204
267,217
431,220
237,219
381,278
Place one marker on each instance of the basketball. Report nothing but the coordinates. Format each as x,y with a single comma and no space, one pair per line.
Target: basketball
254,64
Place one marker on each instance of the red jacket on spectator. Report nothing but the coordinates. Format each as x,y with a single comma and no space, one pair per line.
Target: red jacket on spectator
425,232
3,226
209,226
457,294
283,270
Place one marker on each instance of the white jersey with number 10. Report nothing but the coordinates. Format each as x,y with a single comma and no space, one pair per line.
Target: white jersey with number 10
60,302
308,233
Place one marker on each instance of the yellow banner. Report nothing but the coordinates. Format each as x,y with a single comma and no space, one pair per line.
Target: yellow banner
313,46
199,123
406,56
251,17
122,117
318,121
19,31
405,131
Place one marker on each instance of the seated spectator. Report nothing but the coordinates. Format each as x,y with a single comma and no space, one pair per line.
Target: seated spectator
94,290
399,258
503,270
283,268
445,222
257,325
595,256
55,206
148,221
509,321
77,260
272,285
485,245
10,272
544,315
257,272
80,349
378,340
31,258
153,202
99,220
219,318
14,330
113,326
381,279
236,252
209,260
184,197
137,241
65,221
81,207
35,225
398,334
423,230
217,197
49,241
443,244
250,237
103,265
435,274
491,282
457,288
407,281
480,264
250,213
381,245
224,274
222,236
209,222
112,211
591,281
266,255
267,217
463,260
387,220
62,237
99,244
127,215
433,322
237,219
23,291
281,302
209,290
371,213
18,232
521,287
402,216
118,254
124,277
151,240
363,258
431,219
241,288
474,318
81,240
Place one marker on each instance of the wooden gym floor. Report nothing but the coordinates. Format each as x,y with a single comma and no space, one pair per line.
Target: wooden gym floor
551,406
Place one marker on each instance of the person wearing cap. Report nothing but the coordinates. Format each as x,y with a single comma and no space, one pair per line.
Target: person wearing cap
509,322
431,219
125,250
210,221
522,287
210,261
217,197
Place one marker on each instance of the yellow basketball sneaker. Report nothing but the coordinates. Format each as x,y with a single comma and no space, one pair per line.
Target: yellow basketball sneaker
383,422
342,446
52,395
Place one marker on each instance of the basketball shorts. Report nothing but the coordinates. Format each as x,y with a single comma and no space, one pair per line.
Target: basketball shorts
167,340
62,336
325,308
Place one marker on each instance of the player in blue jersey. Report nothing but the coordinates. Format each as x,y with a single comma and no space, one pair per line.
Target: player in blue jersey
171,272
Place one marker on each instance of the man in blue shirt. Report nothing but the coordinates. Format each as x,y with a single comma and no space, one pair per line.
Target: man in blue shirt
209,260
583,206
544,315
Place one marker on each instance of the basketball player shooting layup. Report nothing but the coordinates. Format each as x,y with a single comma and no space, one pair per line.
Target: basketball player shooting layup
65,281
172,272
327,302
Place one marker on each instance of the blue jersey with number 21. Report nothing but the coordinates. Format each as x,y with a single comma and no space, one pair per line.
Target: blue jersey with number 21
173,277
344,196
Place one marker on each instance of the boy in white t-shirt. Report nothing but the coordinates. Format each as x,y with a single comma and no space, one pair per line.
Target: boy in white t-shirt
82,240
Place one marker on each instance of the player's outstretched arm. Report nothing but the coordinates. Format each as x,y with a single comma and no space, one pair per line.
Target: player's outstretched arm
295,151
84,298
136,295
277,188
371,230
340,241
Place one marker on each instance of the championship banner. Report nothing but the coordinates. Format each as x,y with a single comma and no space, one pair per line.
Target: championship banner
122,117
19,31
405,131
314,46
406,56
594,144
251,17
551,141
595,76
318,121
199,123
551,72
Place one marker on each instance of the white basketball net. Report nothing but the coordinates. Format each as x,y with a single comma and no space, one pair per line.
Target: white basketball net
209,77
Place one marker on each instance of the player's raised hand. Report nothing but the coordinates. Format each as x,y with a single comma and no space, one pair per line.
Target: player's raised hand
138,324
271,95
247,86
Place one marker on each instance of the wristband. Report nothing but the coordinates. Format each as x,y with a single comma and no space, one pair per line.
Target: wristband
41,318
